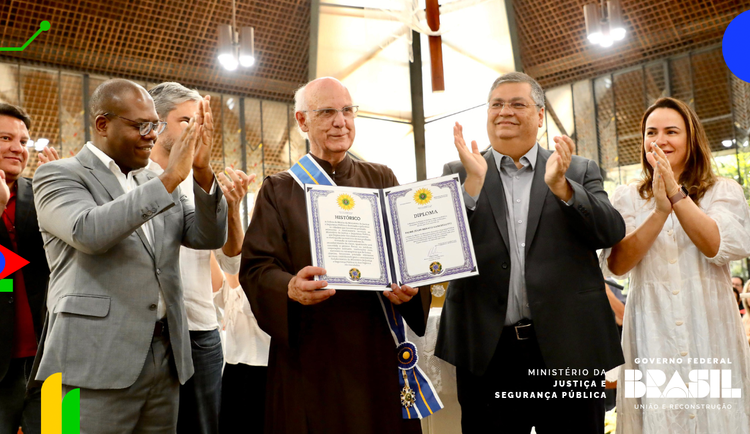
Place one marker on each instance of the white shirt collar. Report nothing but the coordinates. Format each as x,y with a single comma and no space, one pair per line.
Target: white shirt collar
110,163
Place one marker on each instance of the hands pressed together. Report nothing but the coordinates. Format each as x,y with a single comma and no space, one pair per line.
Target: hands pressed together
663,185
192,151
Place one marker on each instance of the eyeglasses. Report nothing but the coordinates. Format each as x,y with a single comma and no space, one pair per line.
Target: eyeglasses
349,112
144,128
515,106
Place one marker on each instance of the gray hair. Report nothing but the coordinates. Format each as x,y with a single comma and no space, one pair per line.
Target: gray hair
170,94
537,94
300,103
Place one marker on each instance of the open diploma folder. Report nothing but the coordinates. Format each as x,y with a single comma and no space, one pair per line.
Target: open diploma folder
415,234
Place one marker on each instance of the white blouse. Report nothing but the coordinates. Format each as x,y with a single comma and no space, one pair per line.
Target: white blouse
244,341
681,307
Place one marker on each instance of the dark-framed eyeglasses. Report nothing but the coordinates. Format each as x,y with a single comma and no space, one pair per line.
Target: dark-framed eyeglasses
349,112
144,128
514,106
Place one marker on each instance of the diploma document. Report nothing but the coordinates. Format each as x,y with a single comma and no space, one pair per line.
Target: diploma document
415,234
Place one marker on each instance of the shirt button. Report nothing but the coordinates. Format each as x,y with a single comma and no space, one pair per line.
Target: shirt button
152,307
676,291
520,221
684,353
670,232
679,323
518,200
10,300
158,271
523,244
692,416
673,261
505,265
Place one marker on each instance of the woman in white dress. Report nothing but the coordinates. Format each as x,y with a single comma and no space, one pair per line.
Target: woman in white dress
684,225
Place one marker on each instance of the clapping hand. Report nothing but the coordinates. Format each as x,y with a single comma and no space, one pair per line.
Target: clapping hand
557,165
663,181
48,154
472,160
657,158
235,185
181,156
202,158
4,192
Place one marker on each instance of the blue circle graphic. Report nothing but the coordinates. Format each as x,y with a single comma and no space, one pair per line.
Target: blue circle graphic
736,46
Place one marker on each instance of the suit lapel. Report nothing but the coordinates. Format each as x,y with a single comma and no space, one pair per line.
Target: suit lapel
157,222
110,183
538,196
100,172
24,204
493,188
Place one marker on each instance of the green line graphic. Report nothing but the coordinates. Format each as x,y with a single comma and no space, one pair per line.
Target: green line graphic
71,412
43,27
6,285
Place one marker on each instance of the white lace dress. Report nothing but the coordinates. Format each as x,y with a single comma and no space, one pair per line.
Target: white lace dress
681,306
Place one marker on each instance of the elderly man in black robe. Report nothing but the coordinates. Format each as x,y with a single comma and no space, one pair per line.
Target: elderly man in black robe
333,361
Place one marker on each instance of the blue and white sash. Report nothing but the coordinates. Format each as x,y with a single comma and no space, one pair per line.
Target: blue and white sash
308,171
418,397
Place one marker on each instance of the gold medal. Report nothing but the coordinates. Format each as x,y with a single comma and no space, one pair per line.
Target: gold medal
408,397
437,290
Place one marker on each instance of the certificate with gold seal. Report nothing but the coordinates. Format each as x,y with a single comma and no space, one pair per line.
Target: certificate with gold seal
415,234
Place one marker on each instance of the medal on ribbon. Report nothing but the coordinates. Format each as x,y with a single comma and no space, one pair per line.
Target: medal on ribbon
418,397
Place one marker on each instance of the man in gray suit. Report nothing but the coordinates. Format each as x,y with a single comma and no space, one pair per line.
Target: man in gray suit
112,231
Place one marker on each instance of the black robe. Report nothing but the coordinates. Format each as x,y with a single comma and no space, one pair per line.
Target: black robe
332,366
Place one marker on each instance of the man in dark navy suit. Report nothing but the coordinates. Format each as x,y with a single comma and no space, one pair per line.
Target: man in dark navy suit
21,311
536,217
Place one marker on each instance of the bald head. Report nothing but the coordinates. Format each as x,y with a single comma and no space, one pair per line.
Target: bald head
313,89
331,132
114,96
118,134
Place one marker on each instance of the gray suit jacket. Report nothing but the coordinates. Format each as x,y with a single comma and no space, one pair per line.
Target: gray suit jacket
105,276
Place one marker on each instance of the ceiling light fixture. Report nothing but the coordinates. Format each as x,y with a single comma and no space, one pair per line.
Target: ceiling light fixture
600,30
236,49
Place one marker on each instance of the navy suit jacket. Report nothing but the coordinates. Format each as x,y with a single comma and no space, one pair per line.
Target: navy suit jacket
35,274
572,318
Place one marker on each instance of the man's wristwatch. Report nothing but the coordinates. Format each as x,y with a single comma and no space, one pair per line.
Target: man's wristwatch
682,193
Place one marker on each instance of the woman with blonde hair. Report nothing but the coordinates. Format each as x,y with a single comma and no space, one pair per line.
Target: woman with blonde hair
684,225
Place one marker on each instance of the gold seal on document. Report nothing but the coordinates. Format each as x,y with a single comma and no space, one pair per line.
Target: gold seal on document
423,196
345,202
355,274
